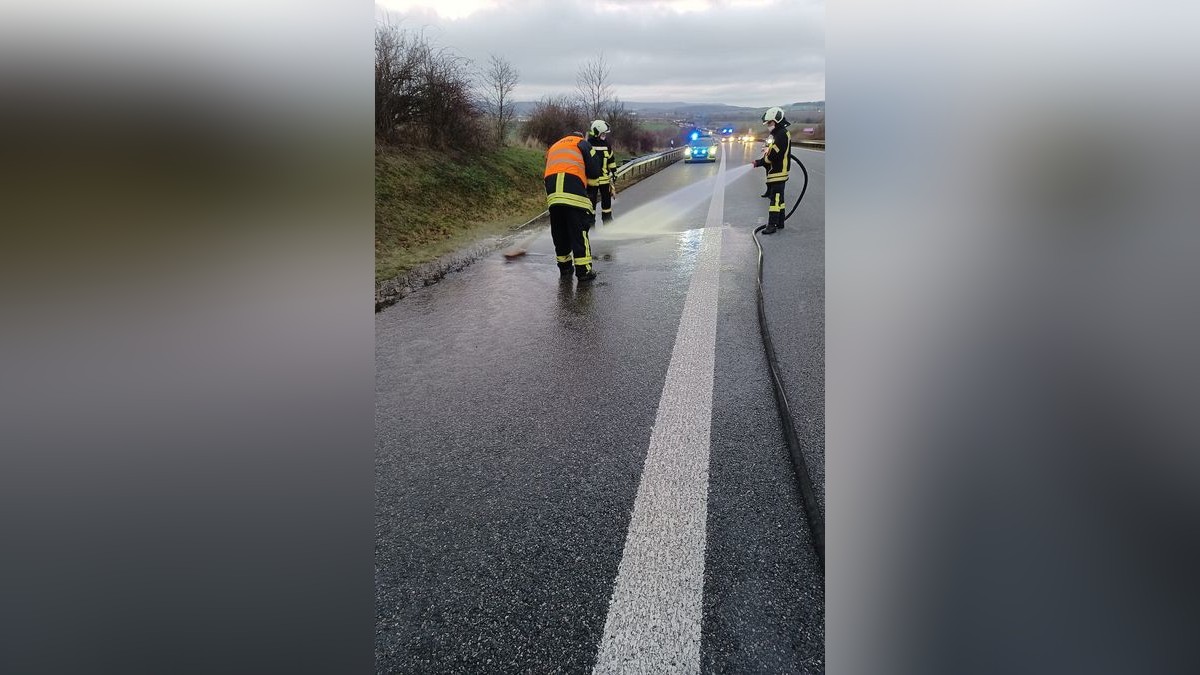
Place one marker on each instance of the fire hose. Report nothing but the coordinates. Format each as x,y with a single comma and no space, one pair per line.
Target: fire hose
816,522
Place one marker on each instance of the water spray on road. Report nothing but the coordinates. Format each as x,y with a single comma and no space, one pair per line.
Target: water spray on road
662,216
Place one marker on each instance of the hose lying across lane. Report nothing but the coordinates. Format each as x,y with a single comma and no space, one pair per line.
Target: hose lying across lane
816,522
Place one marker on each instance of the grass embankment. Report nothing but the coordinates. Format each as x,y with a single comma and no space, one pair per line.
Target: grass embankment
430,203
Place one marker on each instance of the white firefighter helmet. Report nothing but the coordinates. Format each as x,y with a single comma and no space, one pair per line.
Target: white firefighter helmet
599,127
773,114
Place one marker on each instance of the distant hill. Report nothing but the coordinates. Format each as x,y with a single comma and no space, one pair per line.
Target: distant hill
683,109
714,109
807,105
645,106
523,107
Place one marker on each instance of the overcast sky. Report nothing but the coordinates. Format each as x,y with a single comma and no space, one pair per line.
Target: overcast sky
740,52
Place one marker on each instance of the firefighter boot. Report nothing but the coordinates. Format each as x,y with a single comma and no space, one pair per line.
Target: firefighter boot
770,228
565,269
774,222
585,272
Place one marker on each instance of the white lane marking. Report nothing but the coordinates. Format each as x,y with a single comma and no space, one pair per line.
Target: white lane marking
656,609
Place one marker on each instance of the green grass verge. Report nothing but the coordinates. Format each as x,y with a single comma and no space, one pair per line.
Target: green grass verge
659,126
430,203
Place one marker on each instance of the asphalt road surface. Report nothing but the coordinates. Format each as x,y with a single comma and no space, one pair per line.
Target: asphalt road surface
575,477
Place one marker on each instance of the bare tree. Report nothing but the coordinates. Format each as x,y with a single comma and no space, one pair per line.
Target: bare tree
592,85
397,65
447,115
499,79
621,124
626,131
422,93
554,117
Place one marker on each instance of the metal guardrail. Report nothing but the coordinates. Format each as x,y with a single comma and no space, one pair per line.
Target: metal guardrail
639,166
648,164
811,144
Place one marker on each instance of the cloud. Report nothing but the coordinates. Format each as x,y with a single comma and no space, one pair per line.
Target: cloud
739,52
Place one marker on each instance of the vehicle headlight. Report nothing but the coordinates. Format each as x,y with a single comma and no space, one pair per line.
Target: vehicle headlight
712,151
687,151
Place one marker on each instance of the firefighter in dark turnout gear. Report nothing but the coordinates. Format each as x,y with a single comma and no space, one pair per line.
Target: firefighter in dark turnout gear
570,164
603,188
775,159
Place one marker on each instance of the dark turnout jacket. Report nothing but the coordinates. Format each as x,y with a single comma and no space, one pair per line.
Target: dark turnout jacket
779,147
604,153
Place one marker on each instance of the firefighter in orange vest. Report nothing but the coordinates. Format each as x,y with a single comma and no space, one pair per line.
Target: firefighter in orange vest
775,159
604,188
570,164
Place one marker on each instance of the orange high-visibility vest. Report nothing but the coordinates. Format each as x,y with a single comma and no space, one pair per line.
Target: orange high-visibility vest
565,157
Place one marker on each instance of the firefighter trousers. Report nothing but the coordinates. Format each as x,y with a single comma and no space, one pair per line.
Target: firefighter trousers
568,229
776,205
602,195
